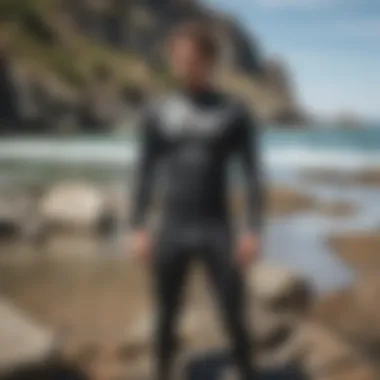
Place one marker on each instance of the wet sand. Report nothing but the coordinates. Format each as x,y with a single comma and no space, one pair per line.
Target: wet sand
364,177
90,298
283,201
359,249
94,296
90,295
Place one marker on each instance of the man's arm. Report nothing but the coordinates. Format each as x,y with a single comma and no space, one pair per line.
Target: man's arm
248,150
151,147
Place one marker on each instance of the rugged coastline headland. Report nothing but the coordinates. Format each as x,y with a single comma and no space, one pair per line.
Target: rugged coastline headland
75,66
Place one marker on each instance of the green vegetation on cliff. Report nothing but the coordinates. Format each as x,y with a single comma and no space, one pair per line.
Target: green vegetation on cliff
71,49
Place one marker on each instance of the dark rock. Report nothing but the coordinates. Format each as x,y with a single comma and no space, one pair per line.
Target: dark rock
102,73
133,96
276,338
298,299
38,28
107,224
289,117
9,115
213,366
9,229
46,371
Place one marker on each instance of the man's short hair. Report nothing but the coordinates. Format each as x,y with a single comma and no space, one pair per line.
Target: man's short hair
201,34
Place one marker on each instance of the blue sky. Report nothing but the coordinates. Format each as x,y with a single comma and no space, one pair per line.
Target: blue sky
331,46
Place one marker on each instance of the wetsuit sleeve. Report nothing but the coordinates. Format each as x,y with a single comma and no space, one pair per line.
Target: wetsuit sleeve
150,151
248,150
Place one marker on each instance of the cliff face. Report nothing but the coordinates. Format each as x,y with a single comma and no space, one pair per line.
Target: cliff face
140,26
87,63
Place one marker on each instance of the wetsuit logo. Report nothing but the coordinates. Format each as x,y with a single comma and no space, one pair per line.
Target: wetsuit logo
183,119
176,115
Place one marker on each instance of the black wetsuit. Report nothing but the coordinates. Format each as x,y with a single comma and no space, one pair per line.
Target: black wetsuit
194,135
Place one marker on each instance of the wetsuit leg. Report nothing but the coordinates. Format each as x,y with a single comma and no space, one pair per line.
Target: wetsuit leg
171,264
228,284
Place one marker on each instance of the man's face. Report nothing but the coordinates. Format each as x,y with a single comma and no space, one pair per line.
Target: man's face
187,63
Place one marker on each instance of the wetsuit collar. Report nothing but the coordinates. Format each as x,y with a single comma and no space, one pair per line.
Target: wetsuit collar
201,95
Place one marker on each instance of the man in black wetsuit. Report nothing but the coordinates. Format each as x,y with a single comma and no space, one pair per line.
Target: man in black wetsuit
194,133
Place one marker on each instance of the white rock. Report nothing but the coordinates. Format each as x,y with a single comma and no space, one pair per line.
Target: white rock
21,340
73,205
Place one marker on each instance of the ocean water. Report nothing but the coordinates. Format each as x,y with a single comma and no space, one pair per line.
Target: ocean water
282,148
298,242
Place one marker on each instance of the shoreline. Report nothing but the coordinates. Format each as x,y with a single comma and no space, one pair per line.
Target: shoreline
369,177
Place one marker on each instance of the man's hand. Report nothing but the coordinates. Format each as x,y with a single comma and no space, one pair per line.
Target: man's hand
141,245
247,249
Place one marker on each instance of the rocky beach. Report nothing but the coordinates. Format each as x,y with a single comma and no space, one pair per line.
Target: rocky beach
82,286
63,265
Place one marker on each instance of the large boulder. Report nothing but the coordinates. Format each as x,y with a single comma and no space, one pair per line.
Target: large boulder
22,341
73,206
325,354
354,312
